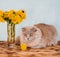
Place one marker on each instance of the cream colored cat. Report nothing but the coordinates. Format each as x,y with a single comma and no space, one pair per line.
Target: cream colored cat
39,35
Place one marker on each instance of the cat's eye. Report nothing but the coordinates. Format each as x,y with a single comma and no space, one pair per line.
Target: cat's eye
23,29
34,30
31,34
25,34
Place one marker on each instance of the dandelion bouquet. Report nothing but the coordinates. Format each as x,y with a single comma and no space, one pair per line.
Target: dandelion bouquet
12,17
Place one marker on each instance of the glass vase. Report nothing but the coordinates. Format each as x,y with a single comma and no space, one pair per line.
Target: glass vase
11,35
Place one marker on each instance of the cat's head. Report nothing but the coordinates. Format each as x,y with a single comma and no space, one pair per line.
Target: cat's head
31,32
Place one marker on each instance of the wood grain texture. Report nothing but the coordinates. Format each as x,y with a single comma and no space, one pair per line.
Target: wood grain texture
53,51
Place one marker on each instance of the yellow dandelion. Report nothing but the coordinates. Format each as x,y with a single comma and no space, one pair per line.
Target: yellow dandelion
6,14
19,19
23,47
22,13
1,19
1,13
11,14
16,19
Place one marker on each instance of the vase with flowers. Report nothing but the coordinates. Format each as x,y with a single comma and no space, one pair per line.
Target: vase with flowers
12,18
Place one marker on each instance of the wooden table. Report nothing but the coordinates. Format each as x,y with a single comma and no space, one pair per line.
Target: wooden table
53,51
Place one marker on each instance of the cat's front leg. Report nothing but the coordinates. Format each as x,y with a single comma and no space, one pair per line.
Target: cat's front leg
42,43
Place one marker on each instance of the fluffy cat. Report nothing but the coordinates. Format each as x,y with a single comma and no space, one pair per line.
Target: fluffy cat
39,35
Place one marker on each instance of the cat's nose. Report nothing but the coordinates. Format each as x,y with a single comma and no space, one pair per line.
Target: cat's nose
28,38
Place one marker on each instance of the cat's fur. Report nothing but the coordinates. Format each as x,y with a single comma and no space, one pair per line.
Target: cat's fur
39,35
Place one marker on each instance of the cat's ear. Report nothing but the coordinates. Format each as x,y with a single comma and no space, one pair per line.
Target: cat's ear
23,29
34,29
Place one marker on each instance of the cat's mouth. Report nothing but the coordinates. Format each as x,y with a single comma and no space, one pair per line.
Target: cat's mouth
28,39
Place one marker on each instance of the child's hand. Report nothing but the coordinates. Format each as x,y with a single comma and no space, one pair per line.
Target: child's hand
23,47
